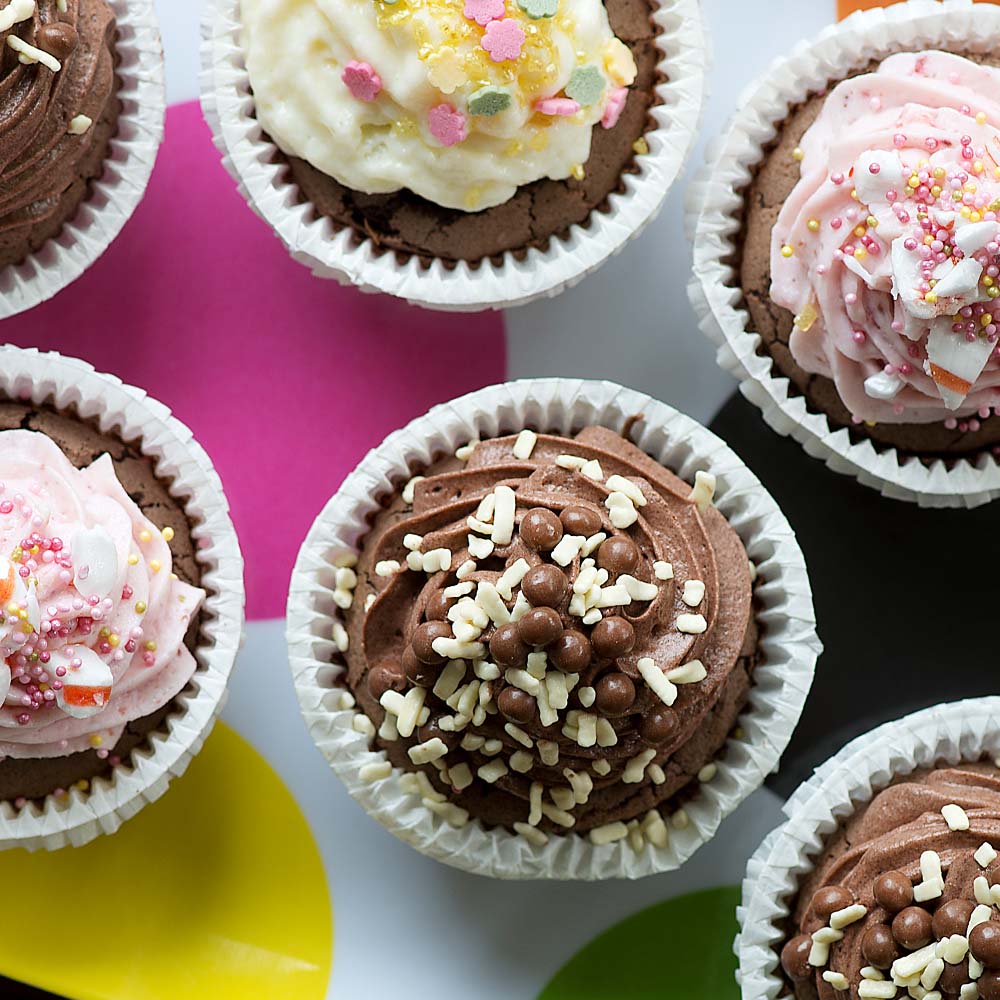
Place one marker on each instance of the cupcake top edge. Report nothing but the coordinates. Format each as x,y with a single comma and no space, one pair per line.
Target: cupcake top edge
458,101
555,633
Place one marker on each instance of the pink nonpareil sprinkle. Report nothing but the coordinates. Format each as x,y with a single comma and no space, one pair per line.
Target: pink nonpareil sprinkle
503,39
362,81
556,106
484,11
615,106
447,125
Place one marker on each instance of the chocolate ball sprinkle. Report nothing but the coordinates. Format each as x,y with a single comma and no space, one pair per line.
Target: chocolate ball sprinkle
879,946
541,529
540,626
912,928
516,705
438,606
423,641
984,943
613,637
416,671
385,678
952,918
545,586
614,695
795,958
829,899
580,521
618,555
893,891
571,652
507,646
989,985
57,38
658,726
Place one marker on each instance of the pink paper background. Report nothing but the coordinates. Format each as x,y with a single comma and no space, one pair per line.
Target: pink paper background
286,380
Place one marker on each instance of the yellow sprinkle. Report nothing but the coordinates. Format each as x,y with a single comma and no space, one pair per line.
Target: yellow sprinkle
981,118
640,146
930,298
860,253
145,536
872,222
155,565
168,534
151,646
114,640
870,423
805,319
988,281
96,740
787,251
140,607
797,154
854,194
940,173
133,560
978,167
813,225
82,785
104,633
577,171
859,230
974,216
936,191
993,292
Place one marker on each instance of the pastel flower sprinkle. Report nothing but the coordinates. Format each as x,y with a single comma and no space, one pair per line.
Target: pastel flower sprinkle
615,106
447,124
503,39
586,85
362,81
446,71
484,11
556,106
537,9
489,100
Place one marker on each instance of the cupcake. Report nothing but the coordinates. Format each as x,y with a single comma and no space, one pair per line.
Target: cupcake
69,71
107,611
880,884
548,637
477,136
868,249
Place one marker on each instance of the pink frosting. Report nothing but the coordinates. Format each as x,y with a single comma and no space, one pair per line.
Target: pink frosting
92,620
896,353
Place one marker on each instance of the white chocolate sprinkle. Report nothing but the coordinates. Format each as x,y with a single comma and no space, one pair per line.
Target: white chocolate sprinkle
694,593
608,833
519,734
548,750
621,510
370,773
340,637
424,753
362,724
636,767
521,761
691,624
454,649
571,462
460,776
525,444
491,602
654,829
871,989
985,855
840,919
606,735
32,54
703,491
387,567
449,679
592,470
503,515
657,681
454,815
956,817
601,767
638,590
15,11
569,547
512,577
465,569
587,696
480,548
836,979
663,570
707,773
532,834
692,672
410,487
464,453
493,771
413,542
629,488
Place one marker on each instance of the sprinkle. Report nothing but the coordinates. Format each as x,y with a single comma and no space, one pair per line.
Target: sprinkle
836,979
449,128
80,125
621,510
362,724
657,681
636,767
454,815
488,101
608,833
503,517
568,548
691,624
424,753
340,637
694,593
387,567
511,577
521,761
561,106
503,40
636,589
655,829
411,541
787,251
640,147
537,9
587,696
371,773
956,818
484,11
362,81
663,570
614,107
586,85
493,771
985,856
531,834
601,767
703,491
31,54
592,470
409,488
707,773
689,673
16,10
847,916
871,989
519,734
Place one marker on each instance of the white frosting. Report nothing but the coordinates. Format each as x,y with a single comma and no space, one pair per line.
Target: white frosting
426,53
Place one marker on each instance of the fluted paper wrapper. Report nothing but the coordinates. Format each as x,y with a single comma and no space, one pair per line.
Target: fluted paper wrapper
128,413
114,196
944,735
330,252
788,646
715,206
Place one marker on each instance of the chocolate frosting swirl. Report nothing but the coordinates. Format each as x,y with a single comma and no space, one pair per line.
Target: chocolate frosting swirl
879,860
44,168
646,750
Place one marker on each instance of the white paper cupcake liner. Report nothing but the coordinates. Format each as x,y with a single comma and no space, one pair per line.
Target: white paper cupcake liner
945,734
126,412
713,217
788,645
336,253
115,195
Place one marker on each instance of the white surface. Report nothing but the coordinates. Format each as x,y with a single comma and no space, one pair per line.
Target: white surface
630,322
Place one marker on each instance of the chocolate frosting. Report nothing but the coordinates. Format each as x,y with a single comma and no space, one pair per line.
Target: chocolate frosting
892,835
387,629
43,167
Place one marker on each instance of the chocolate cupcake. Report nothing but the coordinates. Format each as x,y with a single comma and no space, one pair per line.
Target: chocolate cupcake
543,640
866,245
880,884
457,138
64,66
105,625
